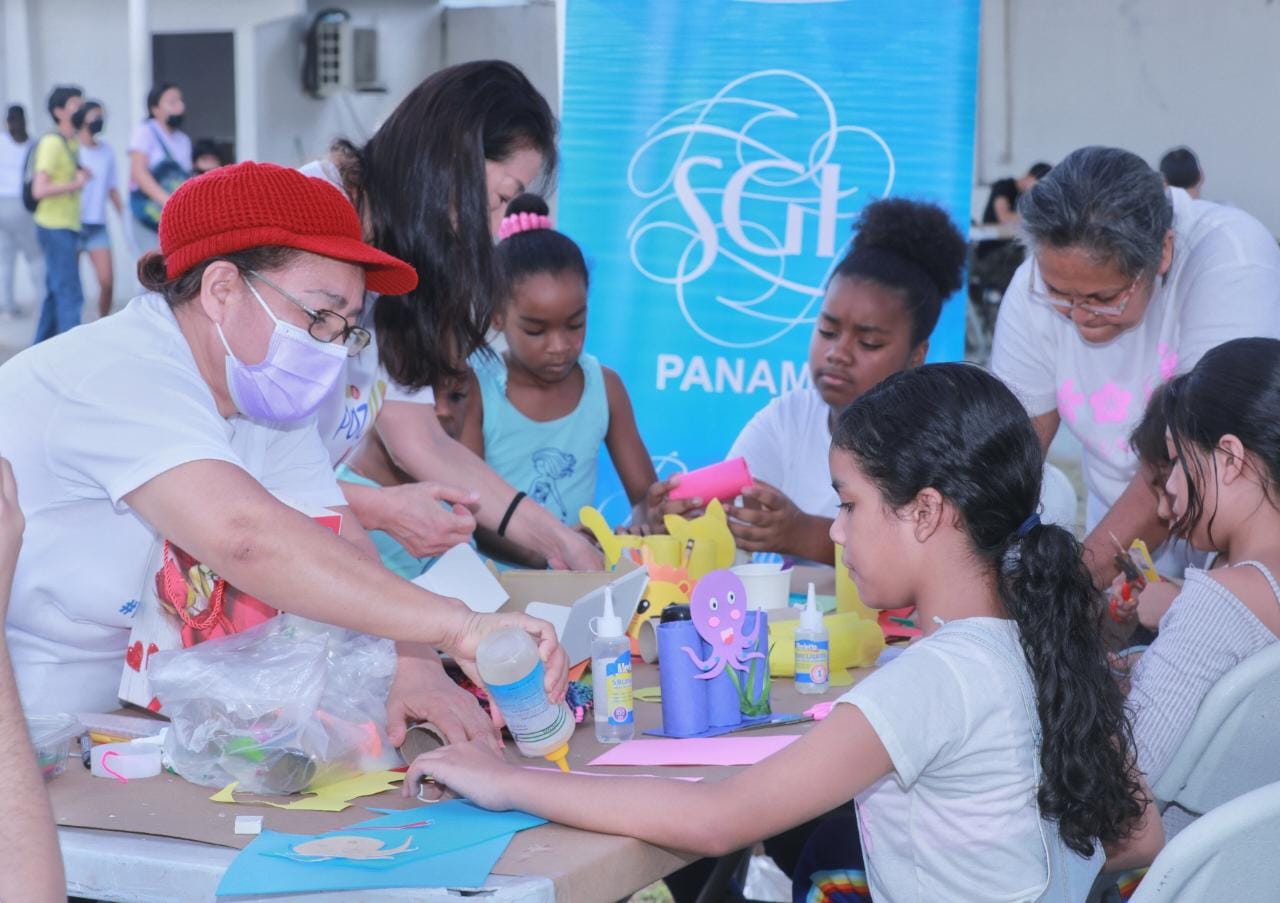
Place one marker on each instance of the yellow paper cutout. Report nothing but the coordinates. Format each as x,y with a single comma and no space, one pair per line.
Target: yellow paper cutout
330,798
712,526
840,678
610,543
649,694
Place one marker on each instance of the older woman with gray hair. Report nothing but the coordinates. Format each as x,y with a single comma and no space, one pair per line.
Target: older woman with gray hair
1127,283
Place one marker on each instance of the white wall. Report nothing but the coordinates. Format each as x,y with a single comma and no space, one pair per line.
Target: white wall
1145,75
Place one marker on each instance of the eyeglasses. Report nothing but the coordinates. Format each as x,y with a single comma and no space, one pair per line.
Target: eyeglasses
1105,305
326,325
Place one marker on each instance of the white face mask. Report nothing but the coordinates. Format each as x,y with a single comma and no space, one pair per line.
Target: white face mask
297,374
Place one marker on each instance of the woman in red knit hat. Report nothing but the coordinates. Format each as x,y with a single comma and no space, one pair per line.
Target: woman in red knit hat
184,417
431,187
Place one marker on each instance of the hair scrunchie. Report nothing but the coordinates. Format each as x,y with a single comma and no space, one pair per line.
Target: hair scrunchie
515,223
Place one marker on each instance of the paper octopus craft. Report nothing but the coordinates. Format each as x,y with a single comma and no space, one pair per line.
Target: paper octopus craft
348,846
719,608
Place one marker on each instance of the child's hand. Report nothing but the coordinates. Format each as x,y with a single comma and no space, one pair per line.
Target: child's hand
1154,601
767,520
11,523
472,770
1121,609
659,505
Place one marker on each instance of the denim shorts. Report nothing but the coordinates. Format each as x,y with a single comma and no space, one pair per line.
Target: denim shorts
94,236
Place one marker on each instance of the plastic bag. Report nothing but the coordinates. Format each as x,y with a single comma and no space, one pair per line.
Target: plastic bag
282,706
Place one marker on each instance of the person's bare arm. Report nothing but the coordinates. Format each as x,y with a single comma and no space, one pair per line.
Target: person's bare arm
419,446
1046,427
30,861
1141,847
1133,516
43,187
626,448
712,818
267,549
1005,212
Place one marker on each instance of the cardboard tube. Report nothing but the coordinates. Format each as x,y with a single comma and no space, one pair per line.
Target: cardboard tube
724,481
648,640
724,709
684,696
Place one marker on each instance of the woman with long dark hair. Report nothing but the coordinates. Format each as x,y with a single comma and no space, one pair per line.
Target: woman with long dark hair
993,758
431,185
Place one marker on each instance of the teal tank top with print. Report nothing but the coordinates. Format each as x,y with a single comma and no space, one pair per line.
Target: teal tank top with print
554,462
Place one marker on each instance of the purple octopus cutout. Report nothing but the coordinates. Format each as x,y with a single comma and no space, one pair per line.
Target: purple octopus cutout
719,607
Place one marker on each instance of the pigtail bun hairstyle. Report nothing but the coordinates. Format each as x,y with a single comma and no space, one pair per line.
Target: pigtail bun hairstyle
912,247
959,430
530,244
1234,389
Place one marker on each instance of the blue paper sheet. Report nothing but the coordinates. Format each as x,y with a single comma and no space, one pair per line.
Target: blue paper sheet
261,867
458,848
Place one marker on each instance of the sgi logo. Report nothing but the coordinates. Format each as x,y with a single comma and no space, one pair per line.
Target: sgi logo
750,195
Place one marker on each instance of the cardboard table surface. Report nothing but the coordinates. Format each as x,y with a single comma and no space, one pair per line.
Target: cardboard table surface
169,806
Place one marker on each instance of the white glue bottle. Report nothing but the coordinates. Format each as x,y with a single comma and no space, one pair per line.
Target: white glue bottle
513,674
813,651
611,677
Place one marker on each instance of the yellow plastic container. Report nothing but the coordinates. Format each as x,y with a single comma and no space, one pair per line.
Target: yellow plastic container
847,598
855,643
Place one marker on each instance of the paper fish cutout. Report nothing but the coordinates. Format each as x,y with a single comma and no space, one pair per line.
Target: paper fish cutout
713,526
330,798
348,846
719,610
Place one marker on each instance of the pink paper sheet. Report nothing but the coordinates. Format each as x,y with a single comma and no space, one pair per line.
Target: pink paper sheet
696,751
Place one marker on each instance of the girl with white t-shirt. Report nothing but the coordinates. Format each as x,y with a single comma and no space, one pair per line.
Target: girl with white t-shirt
188,416
157,139
992,759
431,187
97,156
1127,284
880,308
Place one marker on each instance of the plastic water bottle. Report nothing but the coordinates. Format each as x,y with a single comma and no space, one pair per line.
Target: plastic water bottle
513,674
611,677
813,649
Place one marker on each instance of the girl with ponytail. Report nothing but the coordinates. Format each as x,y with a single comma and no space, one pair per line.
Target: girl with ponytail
990,760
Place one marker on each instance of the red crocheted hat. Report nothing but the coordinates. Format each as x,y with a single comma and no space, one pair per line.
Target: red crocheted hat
253,205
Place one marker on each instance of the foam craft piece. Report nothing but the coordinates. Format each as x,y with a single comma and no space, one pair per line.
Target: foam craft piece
713,525
774,719
461,574
695,751
573,623
684,696
610,543
724,481
854,643
330,798
719,610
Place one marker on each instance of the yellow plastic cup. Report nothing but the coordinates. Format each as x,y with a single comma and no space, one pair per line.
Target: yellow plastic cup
847,598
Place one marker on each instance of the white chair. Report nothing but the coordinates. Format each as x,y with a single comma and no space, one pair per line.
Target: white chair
1232,745
1228,854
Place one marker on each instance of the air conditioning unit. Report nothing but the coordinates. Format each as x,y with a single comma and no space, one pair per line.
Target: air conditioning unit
345,58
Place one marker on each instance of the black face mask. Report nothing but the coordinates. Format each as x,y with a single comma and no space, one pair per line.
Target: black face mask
95,127
174,122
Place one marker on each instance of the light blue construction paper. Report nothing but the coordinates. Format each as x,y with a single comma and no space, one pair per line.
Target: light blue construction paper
260,869
454,824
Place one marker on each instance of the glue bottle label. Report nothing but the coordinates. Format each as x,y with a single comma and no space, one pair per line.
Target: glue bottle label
812,657
617,675
530,716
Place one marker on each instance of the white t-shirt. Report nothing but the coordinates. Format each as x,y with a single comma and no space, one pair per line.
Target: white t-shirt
348,414
1224,284
147,137
85,419
101,161
957,714
787,444
13,157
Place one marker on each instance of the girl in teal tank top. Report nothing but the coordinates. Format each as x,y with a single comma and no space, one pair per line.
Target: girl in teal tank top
544,407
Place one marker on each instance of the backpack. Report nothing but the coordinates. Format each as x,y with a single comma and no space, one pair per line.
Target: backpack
29,199
169,174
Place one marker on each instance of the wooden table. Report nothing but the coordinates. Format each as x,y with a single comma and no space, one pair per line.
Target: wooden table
163,840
